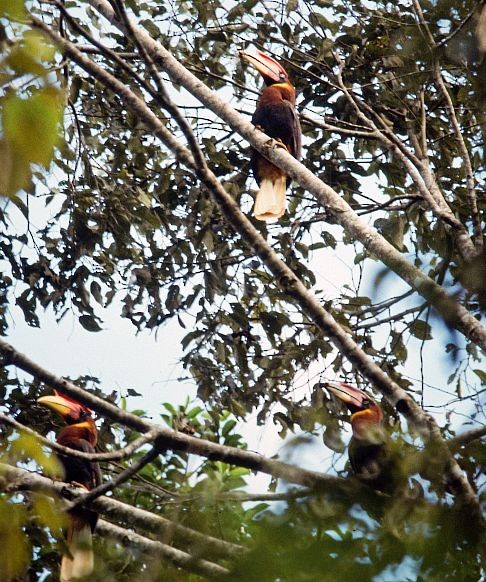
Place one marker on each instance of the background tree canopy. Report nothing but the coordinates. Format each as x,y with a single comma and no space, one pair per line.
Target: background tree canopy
124,159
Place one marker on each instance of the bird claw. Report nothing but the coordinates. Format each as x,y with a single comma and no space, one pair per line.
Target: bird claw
276,142
280,144
77,485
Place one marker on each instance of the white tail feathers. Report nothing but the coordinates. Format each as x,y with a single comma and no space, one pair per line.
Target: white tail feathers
271,201
81,561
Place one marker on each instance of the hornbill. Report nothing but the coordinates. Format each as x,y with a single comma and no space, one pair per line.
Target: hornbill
276,116
369,449
80,434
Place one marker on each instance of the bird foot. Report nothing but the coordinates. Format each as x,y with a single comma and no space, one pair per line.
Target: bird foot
277,142
78,485
280,144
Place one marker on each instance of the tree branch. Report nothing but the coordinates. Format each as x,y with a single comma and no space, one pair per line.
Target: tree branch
284,276
455,315
170,439
134,468
424,181
468,171
465,438
390,318
21,479
159,550
113,456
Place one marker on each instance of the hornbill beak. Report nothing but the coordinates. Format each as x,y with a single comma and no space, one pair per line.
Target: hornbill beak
66,407
354,398
366,414
269,68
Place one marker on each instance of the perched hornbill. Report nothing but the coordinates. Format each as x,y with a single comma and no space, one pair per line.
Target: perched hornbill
369,449
80,434
276,116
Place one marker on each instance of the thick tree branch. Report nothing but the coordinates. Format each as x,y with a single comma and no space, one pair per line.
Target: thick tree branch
466,437
341,212
159,550
21,479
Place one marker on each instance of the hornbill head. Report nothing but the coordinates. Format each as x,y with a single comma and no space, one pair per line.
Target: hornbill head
366,414
77,416
71,411
271,71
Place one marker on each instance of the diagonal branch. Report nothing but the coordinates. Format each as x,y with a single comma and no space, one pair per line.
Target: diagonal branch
113,456
22,480
170,439
465,438
157,549
468,171
134,468
455,314
418,169
284,276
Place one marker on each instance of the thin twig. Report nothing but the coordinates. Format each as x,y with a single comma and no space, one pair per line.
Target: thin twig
113,456
134,468
400,315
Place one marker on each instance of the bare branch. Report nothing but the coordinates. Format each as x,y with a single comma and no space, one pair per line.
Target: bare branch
391,318
342,130
134,468
21,479
113,456
458,28
338,209
466,437
159,550
283,496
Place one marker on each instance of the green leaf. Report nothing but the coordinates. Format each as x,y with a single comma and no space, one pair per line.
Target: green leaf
14,9
90,323
31,131
228,427
481,374
421,329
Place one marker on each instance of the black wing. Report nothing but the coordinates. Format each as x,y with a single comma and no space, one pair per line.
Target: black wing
280,121
81,471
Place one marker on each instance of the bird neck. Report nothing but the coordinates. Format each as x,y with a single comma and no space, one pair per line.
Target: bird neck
367,425
278,92
85,430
